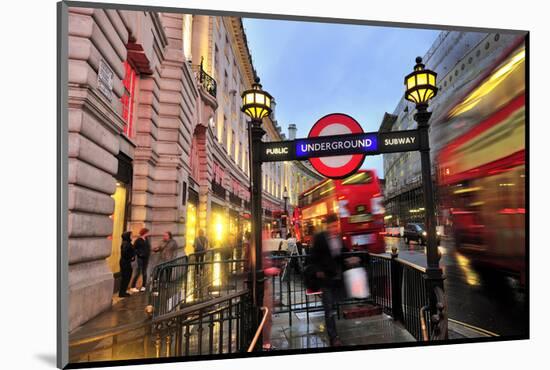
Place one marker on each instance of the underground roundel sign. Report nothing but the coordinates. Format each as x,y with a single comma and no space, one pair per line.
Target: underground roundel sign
340,166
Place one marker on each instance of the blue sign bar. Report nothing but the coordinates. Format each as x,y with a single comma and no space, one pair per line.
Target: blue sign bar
336,145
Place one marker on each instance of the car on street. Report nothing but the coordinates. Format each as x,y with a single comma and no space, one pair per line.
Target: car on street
417,232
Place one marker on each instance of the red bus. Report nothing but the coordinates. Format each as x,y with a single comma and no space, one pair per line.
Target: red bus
358,202
482,172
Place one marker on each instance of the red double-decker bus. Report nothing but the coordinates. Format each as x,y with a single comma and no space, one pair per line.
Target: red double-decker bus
358,202
482,172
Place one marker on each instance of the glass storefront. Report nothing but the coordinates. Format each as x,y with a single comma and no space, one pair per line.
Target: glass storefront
119,225
121,210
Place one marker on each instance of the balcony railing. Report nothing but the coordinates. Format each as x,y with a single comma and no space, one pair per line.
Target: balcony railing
206,81
235,199
218,189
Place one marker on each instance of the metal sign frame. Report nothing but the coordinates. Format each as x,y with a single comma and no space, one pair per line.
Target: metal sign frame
367,143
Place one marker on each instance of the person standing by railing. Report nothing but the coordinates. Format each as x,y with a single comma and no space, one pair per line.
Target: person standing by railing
127,255
167,247
143,250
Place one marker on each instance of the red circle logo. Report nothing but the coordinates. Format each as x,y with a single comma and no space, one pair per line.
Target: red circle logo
336,167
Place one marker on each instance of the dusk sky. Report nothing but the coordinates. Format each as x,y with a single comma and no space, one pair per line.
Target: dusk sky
313,69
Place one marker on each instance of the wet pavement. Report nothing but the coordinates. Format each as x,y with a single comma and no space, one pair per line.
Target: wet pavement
360,331
497,305
489,301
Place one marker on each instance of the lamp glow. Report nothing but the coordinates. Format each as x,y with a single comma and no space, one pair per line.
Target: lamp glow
420,84
256,102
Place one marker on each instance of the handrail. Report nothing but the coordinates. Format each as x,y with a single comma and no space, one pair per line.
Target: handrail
198,306
412,265
260,328
425,336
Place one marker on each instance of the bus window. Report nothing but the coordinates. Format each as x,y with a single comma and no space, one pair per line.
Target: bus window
358,178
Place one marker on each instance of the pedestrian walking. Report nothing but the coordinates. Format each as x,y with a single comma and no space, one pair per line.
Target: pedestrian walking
294,255
200,245
270,270
143,250
127,255
326,261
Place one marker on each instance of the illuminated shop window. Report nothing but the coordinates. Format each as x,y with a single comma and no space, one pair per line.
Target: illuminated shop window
190,228
119,225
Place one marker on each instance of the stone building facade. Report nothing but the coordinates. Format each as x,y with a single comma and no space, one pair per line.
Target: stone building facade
156,139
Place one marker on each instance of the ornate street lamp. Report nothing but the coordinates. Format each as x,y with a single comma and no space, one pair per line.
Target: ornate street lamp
420,89
256,104
420,84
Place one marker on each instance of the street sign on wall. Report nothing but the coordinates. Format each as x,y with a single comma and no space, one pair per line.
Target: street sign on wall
336,146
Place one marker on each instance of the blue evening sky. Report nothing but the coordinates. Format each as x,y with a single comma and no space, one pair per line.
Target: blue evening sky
313,69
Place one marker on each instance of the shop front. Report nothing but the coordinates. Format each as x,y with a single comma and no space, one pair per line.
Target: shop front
191,222
121,213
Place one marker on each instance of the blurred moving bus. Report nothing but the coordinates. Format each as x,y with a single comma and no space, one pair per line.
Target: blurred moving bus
358,202
482,172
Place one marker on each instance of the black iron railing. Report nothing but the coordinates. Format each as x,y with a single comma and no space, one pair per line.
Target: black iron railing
222,325
206,81
396,285
415,298
289,293
196,278
380,280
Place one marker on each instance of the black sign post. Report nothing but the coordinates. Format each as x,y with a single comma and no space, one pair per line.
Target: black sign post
420,88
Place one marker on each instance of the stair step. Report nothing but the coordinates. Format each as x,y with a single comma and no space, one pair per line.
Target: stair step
361,310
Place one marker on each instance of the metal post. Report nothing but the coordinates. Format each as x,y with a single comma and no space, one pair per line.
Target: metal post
256,134
396,271
285,230
434,274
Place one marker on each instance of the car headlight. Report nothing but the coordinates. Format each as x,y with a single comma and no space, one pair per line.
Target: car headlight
424,233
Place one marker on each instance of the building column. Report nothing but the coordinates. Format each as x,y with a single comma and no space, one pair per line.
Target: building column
93,143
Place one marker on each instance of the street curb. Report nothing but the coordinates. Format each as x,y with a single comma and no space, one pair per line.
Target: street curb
469,331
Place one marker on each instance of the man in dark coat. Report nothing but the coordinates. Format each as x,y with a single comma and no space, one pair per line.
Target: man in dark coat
326,262
143,250
127,255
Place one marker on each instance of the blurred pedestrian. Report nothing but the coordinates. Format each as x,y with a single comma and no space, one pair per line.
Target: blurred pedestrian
200,245
270,270
326,260
127,255
294,255
143,250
